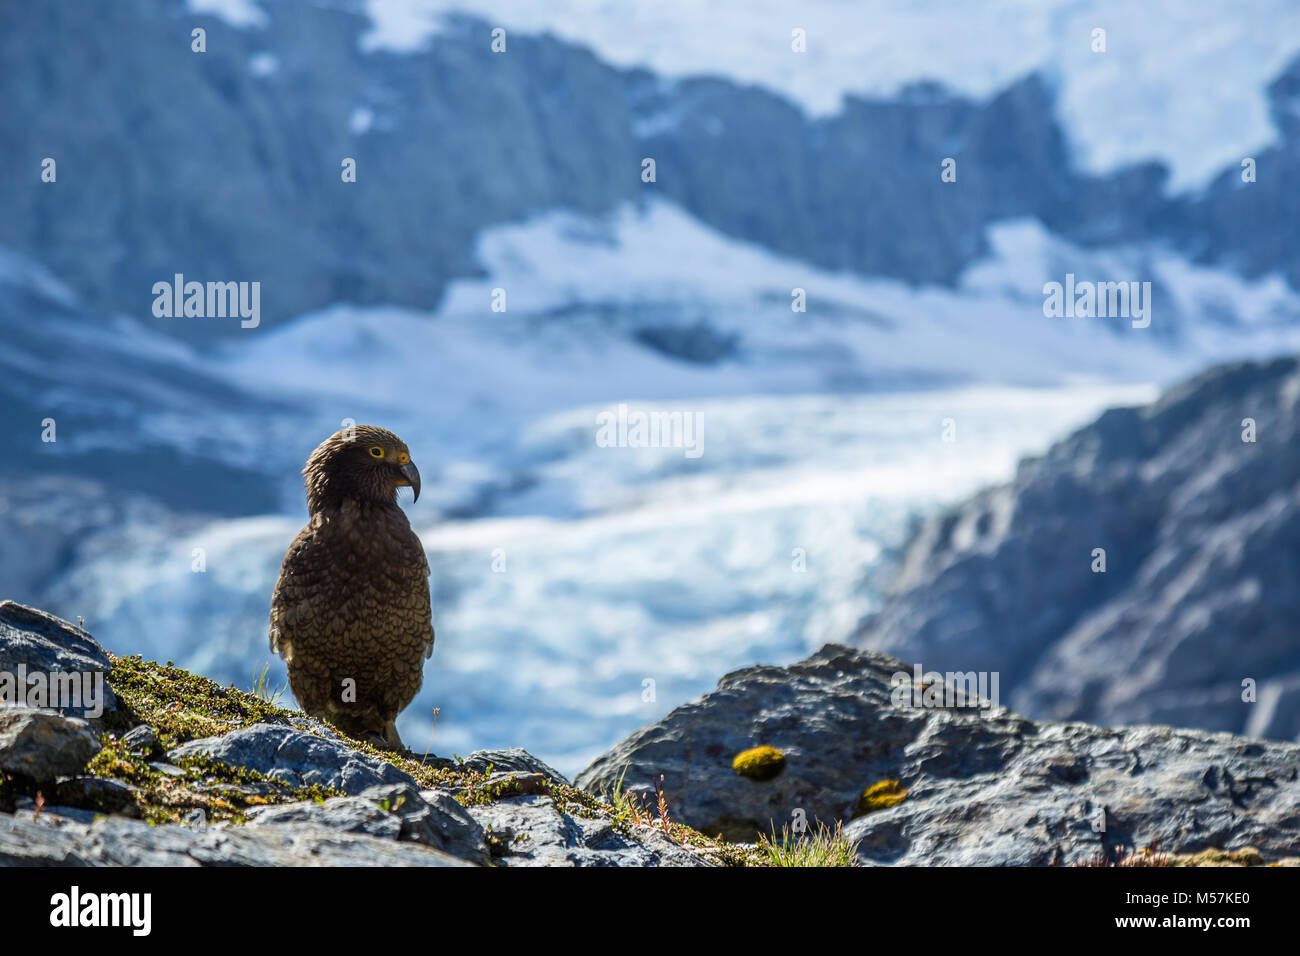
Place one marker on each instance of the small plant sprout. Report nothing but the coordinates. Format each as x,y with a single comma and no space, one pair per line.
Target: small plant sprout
431,733
263,690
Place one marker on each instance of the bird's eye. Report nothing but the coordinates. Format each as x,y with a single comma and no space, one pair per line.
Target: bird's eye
376,451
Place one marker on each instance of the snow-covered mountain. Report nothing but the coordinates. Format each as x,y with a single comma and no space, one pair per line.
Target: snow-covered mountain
1170,70
232,169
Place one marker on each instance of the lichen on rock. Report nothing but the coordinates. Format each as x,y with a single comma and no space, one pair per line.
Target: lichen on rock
759,763
881,796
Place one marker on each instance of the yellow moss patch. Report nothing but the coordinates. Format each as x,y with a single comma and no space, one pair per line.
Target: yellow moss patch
759,763
881,796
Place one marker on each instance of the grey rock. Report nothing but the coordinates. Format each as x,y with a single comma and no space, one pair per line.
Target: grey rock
141,740
71,814
296,758
56,841
95,794
537,833
394,812
352,814
34,642
509,784
1201,533
983,788
43,744
441,822
515,760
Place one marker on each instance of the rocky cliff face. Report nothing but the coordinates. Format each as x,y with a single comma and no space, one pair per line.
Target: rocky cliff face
1193,621
949,784
230,170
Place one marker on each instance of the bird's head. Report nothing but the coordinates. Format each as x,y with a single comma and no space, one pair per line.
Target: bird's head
362,462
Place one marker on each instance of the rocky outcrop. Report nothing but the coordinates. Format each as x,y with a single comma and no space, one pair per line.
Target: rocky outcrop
42,745
40,647
1195,502
938,779
950,784
272,787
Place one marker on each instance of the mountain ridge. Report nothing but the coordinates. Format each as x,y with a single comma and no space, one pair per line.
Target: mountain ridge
253,192
1195,501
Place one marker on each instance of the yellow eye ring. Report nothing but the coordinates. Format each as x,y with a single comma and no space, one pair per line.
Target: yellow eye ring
376,451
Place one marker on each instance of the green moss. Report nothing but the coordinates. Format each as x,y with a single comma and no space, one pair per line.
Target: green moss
759,763
881,796
181,706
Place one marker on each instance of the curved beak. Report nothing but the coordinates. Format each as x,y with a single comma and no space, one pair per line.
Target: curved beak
411,476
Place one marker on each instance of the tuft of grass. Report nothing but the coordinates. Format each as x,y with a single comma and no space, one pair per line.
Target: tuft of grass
759,763
263,690
628,808
822,847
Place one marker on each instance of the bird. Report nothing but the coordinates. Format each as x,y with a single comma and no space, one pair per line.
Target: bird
351,614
